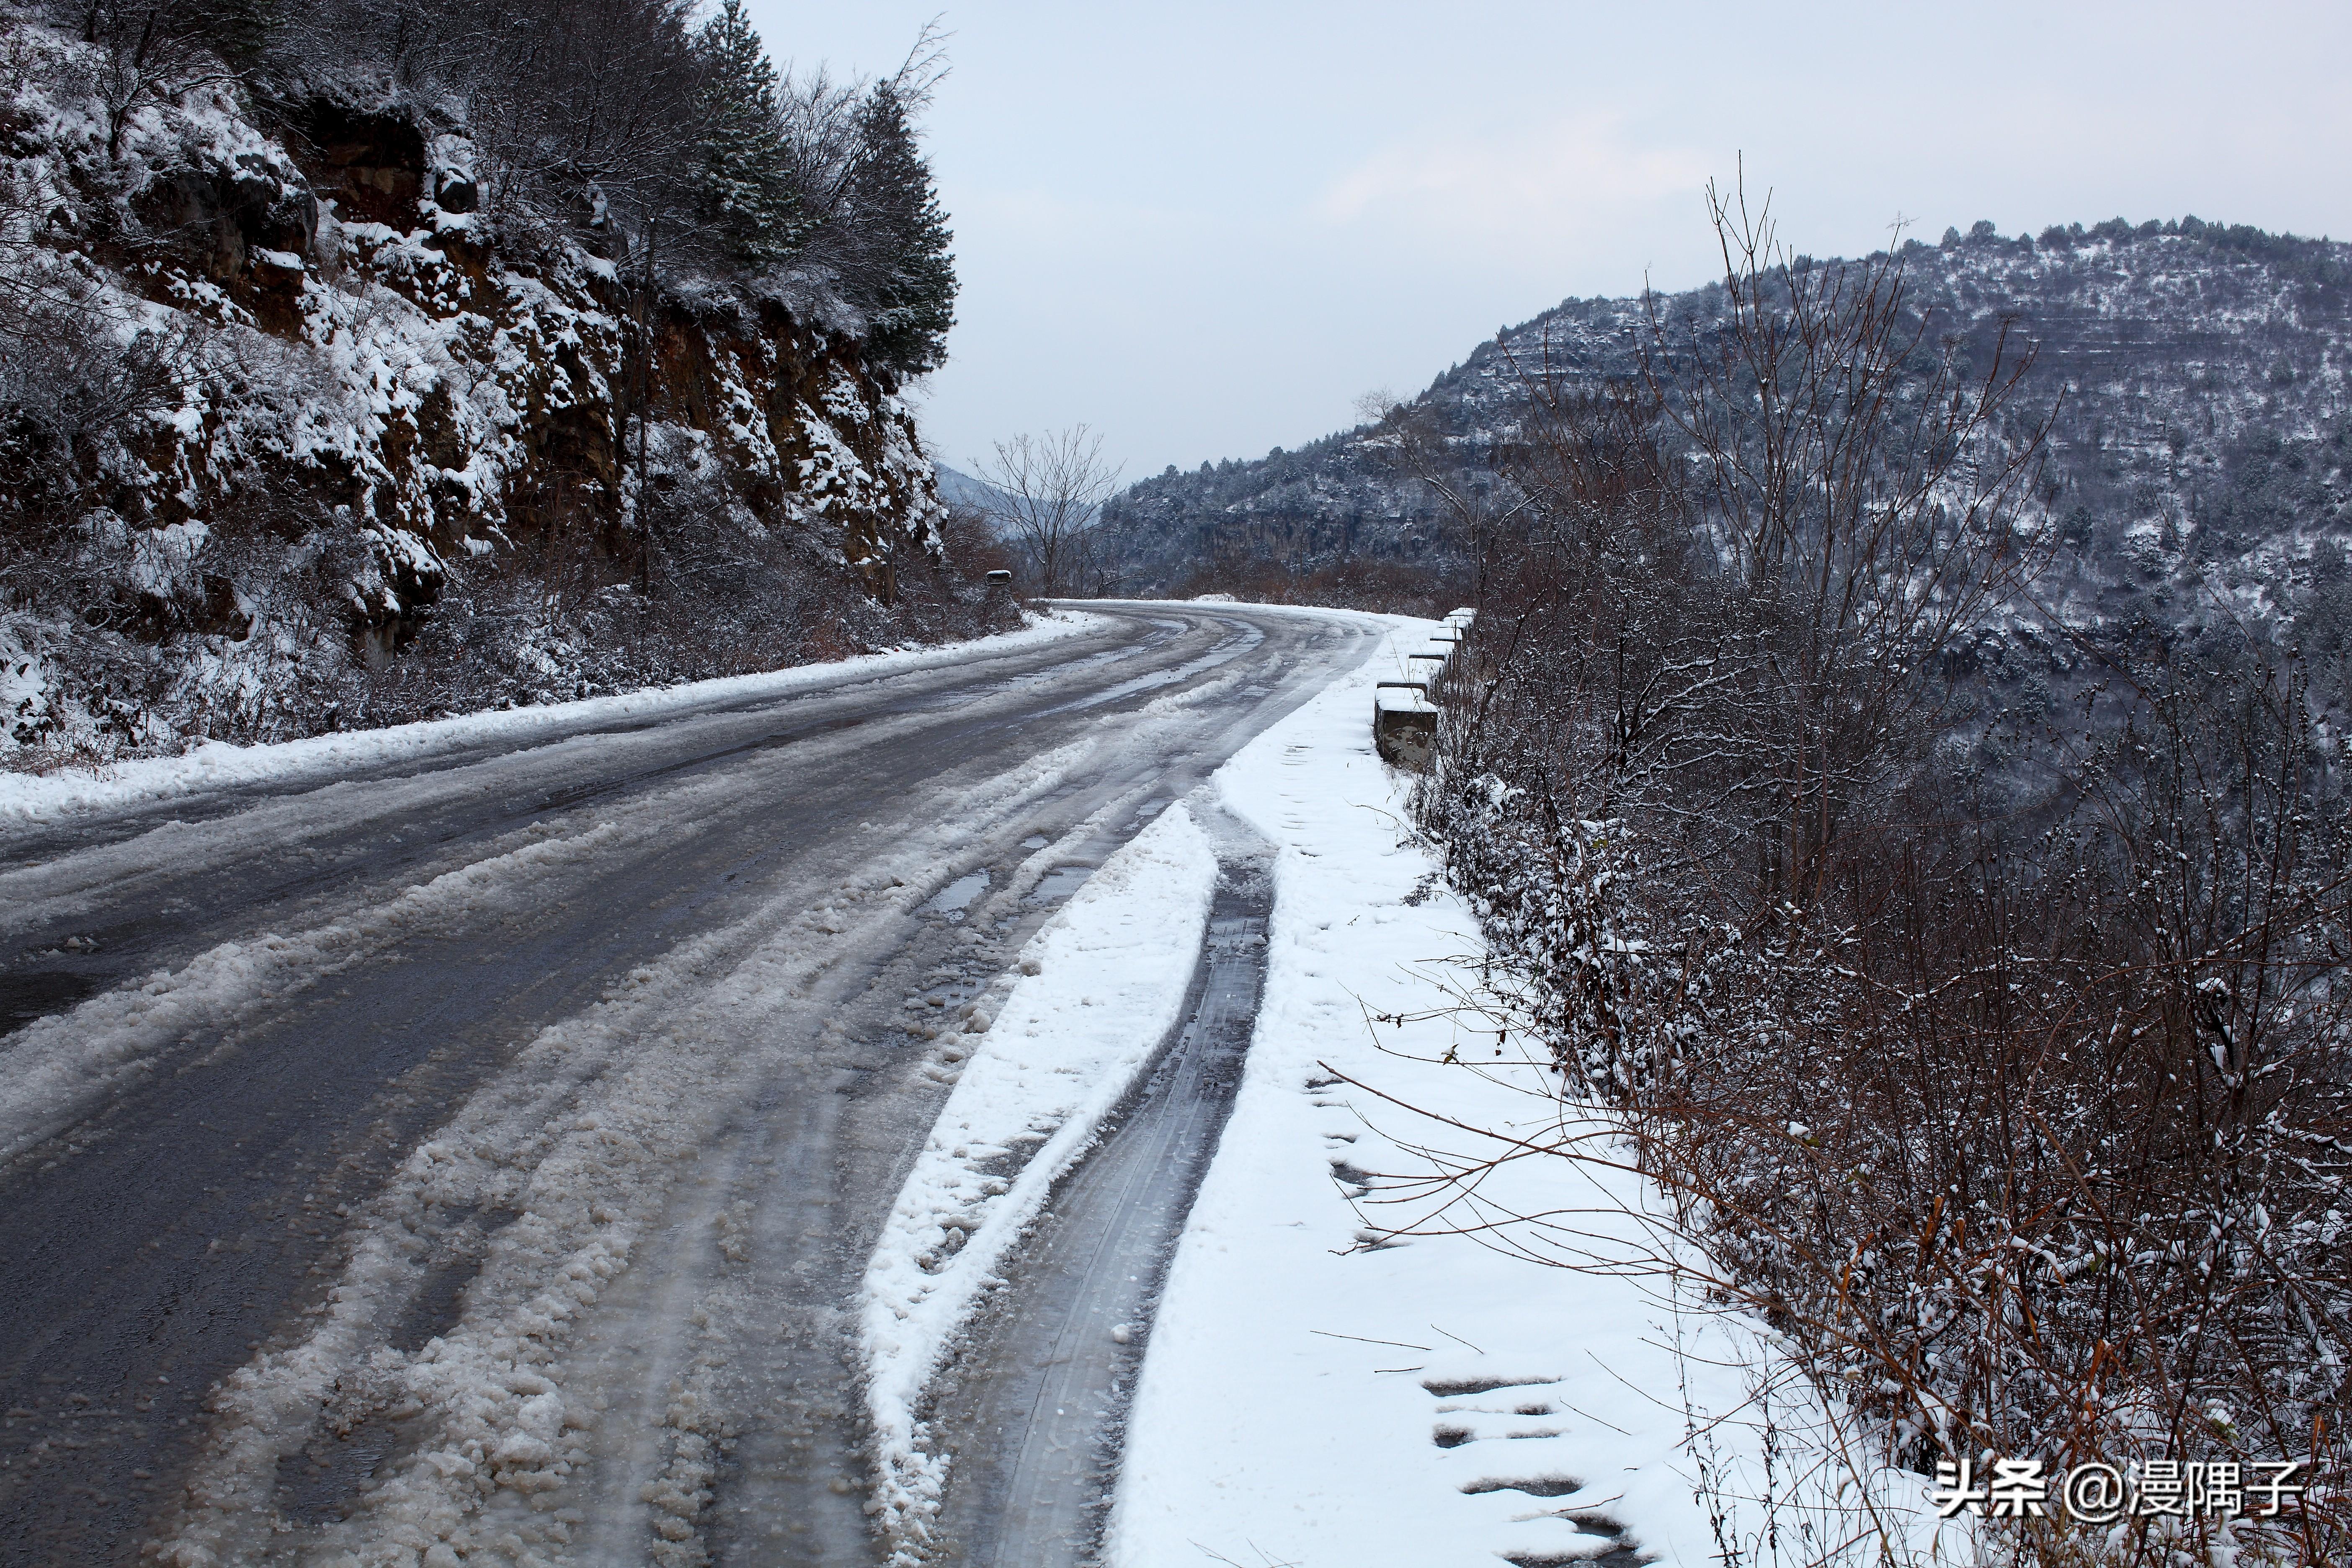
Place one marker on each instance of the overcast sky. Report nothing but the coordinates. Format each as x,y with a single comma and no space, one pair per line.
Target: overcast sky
1205,229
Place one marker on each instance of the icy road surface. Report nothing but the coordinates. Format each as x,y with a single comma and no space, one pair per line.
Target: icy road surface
529,1111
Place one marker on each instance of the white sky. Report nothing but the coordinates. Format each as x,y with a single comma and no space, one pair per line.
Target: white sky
1206,228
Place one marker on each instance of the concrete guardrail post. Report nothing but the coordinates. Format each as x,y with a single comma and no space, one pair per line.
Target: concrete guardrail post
1404,723
1405,712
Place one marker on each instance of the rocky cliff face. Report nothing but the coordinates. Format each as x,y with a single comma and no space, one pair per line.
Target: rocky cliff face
340,445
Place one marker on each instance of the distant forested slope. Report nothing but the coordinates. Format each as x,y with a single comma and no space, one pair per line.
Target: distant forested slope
2199,454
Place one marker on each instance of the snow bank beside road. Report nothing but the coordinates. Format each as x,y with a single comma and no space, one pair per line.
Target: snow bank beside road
1314,1392
1099,989
214,764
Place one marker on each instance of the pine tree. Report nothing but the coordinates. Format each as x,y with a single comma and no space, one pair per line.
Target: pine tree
748,197
912,300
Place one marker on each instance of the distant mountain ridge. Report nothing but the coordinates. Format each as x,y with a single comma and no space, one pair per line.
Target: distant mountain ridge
960,488
2201,440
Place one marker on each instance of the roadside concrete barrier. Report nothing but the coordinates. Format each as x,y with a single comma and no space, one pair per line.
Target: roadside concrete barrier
1405,712
1404,723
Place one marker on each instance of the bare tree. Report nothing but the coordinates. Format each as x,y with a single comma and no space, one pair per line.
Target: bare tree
1476,514
1049,494
1861,482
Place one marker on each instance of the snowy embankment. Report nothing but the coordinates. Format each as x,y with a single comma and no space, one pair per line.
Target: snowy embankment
26,797
1318,1389
1095,994
1315,1390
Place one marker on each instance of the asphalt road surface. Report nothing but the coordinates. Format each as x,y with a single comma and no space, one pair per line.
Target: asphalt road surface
555,1091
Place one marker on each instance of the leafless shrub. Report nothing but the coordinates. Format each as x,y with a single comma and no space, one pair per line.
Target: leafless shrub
71,390
2020,1114
154,51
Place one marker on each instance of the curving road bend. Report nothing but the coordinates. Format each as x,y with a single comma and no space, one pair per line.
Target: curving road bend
478,1158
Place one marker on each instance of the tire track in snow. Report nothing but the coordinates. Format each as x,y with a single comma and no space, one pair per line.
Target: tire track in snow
1099,1091
56,1068
724,1478
1034,1409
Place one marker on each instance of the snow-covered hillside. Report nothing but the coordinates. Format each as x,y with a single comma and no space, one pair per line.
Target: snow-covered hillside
2201,433
307,430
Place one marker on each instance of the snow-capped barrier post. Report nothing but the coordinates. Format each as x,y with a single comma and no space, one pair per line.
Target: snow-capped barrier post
1404,723
1404,714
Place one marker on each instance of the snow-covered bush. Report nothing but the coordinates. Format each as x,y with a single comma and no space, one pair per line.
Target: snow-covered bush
1997,1061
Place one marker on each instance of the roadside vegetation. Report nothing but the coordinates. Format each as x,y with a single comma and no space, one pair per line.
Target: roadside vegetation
1987,1037
1041,496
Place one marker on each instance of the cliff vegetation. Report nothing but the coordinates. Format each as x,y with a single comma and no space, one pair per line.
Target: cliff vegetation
391,357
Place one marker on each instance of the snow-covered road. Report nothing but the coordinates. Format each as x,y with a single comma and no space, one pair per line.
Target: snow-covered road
520,1100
